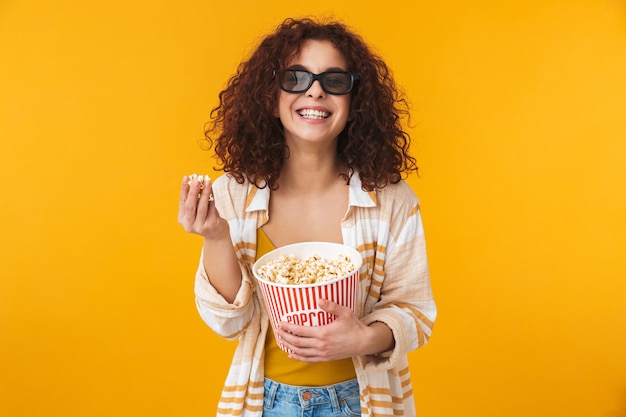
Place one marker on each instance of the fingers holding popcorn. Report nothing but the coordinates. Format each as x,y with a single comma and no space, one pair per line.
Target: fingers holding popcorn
202,181
195,210
187,204
205,198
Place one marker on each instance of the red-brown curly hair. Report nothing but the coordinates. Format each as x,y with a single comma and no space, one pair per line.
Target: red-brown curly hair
248,137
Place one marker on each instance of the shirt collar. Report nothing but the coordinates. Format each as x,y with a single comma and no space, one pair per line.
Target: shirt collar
357,196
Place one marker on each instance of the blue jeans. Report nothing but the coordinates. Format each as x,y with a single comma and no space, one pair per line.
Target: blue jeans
282,400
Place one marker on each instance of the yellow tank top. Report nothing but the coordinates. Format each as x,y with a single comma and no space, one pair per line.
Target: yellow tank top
280,368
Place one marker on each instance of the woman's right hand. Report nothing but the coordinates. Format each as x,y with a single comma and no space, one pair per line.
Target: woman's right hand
196,211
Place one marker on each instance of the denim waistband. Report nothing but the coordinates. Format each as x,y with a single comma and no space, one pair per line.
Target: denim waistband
310,396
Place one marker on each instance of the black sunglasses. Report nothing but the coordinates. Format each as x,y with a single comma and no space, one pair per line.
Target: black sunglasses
332,82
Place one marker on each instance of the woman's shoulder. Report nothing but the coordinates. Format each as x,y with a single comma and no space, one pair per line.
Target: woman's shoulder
227,182
398,193
230,196
240,195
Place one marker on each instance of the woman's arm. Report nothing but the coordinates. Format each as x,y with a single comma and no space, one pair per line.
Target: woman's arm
198,215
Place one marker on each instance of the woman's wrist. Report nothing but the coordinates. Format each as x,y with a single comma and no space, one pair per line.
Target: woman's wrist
380,339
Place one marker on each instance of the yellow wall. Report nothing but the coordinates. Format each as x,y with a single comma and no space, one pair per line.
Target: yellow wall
520,129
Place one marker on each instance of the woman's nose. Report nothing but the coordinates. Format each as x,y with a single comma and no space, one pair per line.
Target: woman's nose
315,90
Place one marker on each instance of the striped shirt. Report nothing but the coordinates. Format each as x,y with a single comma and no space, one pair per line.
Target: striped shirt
385,227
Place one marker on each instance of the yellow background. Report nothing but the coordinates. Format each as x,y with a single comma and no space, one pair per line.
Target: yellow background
519,125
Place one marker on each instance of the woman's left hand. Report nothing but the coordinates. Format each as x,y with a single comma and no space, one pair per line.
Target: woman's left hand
343,338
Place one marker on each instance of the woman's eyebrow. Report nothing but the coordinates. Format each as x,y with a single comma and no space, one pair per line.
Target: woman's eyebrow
297,67
302,67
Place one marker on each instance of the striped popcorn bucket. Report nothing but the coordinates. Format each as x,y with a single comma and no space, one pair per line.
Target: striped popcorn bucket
298,303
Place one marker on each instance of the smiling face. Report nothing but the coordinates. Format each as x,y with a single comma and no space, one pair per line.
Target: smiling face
314,116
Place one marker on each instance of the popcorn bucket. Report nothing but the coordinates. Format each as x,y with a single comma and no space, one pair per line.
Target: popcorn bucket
297,303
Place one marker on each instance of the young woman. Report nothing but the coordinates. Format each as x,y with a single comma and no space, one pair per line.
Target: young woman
308,132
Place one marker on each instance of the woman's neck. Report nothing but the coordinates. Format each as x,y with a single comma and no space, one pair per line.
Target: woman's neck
310,173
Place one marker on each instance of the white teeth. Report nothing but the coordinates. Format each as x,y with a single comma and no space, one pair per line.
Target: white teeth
313,114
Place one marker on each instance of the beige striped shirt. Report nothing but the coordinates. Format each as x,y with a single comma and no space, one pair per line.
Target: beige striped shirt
385,227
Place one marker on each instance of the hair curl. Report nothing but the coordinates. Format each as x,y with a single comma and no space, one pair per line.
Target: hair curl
248,137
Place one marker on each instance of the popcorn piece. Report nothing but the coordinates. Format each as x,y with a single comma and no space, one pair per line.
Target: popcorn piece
195,177
288,269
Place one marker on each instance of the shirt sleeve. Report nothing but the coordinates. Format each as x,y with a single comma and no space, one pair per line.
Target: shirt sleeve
226,319
405,301
229,320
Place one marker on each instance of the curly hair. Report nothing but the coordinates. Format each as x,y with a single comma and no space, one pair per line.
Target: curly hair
248,137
